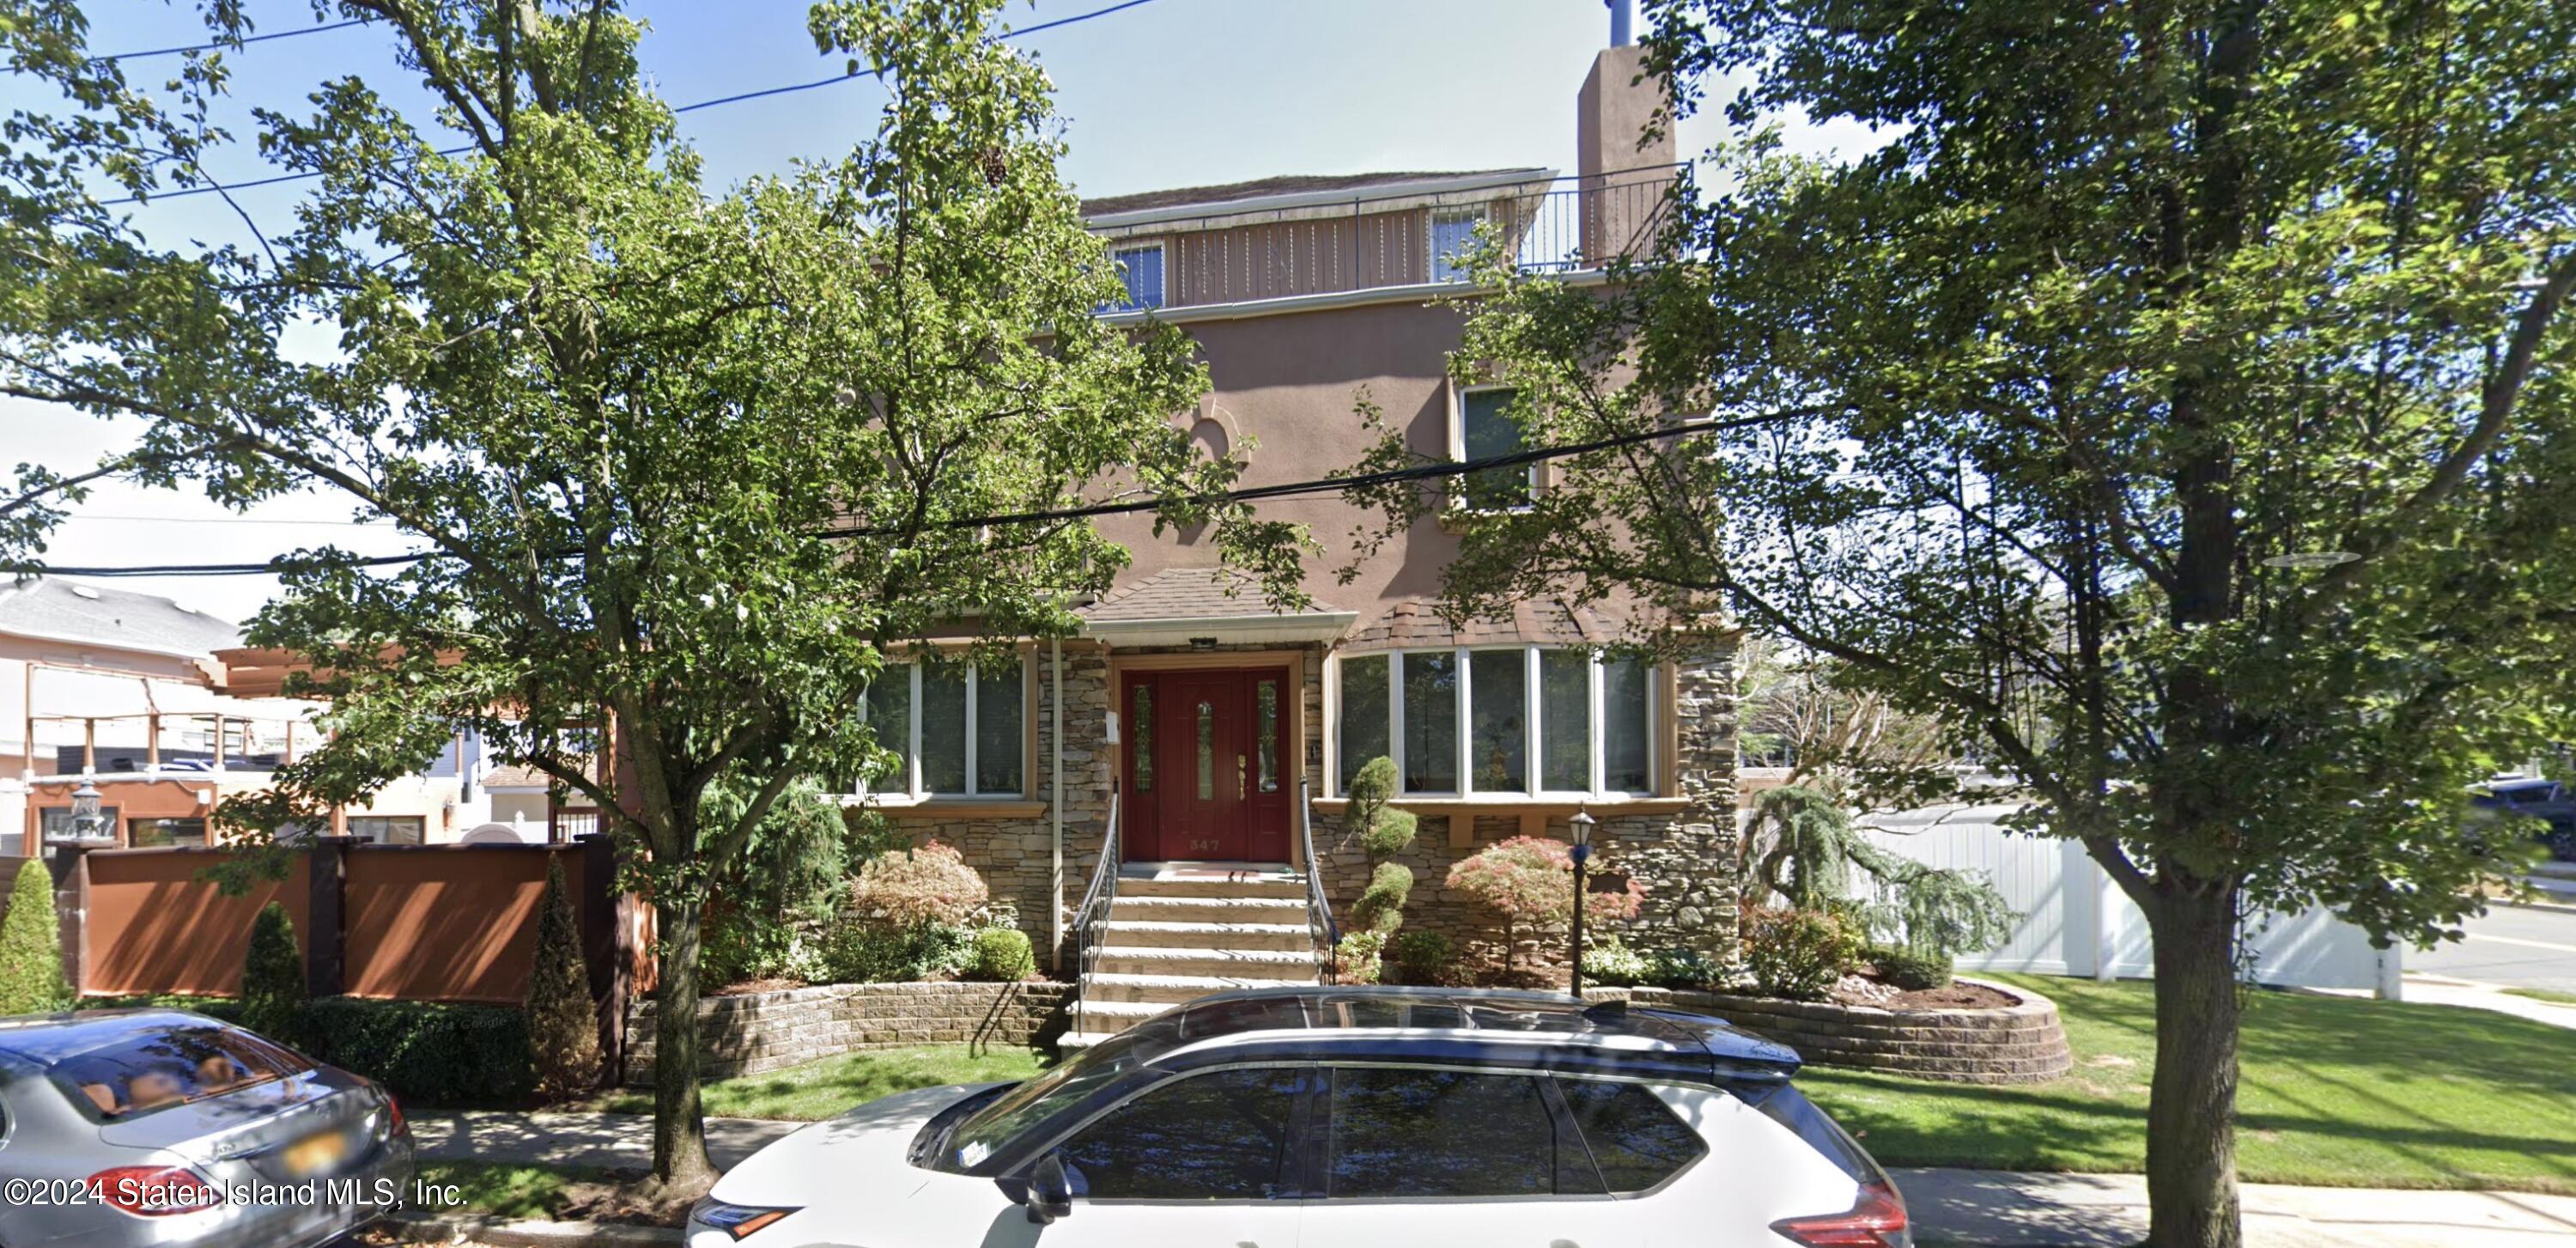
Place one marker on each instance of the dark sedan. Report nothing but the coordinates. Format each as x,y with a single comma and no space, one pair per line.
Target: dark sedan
2549,801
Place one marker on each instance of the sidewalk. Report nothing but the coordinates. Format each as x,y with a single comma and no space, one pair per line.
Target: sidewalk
2005,1209
2476,995
1986,1208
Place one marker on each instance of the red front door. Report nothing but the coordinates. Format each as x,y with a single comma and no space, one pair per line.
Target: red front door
1205,766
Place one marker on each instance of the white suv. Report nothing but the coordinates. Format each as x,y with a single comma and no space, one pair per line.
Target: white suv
1340,1118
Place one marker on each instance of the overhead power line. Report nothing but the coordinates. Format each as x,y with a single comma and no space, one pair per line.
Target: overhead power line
226,43
1249,494
212,187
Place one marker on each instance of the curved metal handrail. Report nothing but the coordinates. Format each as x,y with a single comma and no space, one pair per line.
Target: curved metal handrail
1319,909
1096,901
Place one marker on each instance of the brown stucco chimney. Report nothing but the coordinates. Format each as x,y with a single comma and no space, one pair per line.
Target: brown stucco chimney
1623,183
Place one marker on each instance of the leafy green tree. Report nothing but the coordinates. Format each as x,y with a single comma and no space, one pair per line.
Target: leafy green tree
684,465
2174,403
272,983
563,1021
31,945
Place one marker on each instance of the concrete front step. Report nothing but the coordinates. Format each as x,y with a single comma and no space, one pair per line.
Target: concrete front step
1207,935
1167,990
1293,966
1264,886
1210,909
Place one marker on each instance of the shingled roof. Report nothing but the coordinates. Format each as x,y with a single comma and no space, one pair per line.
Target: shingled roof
1183,594
1534,621
105,616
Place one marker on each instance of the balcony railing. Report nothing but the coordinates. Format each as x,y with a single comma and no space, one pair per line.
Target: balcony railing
1390,239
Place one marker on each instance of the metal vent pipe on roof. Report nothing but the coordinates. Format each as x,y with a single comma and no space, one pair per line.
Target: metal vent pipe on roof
1623,20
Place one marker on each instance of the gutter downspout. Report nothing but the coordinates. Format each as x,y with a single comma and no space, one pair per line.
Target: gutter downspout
1055,806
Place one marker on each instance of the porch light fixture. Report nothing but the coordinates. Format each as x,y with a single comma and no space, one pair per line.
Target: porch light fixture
86,820
1580,825
2310,560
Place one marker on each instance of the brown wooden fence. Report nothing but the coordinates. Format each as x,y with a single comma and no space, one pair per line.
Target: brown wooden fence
407,922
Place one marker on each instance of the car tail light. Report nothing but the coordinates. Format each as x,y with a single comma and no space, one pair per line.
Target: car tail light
396,1126
1876,1220
155,1191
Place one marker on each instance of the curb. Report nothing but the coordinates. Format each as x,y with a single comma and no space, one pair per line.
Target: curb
432,1228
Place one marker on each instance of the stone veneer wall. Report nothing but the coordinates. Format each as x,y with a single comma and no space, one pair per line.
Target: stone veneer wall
2023,1043
1687,860
764,1031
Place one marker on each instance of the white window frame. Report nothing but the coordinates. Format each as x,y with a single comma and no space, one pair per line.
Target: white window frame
1532,787
912,790
1434,262
1162,271
1458,500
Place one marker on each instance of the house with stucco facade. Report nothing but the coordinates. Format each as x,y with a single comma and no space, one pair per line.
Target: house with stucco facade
1201,739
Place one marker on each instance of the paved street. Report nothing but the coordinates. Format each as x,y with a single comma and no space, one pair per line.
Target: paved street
2002,1208
2514,945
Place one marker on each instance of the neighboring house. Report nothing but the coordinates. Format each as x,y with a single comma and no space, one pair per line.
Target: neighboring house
122,692
1213,715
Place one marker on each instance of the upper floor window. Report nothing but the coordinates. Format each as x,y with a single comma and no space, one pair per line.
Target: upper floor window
1524,721
1485,426
1140,269
1453,242
956,730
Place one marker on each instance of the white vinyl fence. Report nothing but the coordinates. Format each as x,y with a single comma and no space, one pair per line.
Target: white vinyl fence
2076,921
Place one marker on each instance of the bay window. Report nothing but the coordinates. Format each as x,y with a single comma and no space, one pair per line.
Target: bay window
1520,721
956,730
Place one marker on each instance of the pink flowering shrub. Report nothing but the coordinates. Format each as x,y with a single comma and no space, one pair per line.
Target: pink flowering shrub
931,884
1529,881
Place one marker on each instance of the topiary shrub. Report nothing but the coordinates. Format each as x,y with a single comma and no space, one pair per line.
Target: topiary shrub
1611,961
1380,908
1528,881
1798,954
1425,958
931,884
31,946
1001,955
432,1052
1360,958
563,1024
1914,972
272,989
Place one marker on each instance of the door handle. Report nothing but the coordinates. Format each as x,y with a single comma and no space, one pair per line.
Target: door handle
1239,788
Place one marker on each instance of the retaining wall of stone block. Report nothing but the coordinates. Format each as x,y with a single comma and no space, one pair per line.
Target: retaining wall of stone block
757,1032
2022,1043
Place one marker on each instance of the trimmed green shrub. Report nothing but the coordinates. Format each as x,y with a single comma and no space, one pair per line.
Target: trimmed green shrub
1389,834
1426,958
272,986
1360,958
1380,908
428,1051
1611,961
863,953
1679,968
784,885
1914,972
1001,955
1798,954
563,1024
31,946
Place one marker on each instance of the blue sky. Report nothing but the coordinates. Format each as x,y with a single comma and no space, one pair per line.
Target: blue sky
1169,93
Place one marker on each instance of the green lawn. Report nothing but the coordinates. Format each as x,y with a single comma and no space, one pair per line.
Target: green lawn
505,1191
2335,1091
2550,995
822,1089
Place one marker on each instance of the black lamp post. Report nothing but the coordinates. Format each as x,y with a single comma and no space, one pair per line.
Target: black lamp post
1581,826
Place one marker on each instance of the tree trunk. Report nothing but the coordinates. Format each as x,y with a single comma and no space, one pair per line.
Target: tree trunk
679,1119
2191,1113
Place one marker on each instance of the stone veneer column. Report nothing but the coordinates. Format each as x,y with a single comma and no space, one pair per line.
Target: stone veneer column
1690,872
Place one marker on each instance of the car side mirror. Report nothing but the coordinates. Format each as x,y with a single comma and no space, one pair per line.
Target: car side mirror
1050,1190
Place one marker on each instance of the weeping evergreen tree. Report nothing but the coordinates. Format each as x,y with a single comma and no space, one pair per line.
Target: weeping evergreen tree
1809,847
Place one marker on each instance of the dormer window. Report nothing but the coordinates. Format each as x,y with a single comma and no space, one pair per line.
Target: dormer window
1140,269
1453,242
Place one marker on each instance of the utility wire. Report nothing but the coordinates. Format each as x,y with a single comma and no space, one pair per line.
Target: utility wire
226,43
212,187
1250,494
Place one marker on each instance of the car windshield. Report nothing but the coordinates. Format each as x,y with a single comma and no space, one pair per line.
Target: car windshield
140,1072
988,1130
